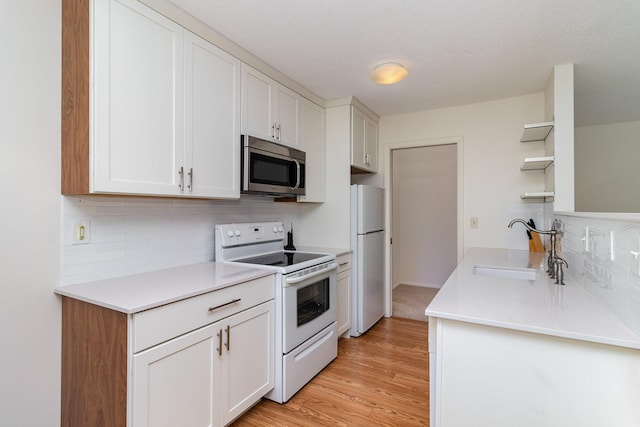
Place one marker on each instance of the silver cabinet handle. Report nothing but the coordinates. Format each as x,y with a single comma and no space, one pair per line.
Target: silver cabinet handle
181,173
279,133
219,349
228,344
342,264
190,186
273,131
233,301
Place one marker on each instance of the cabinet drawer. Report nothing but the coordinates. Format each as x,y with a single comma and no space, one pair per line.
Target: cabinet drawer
344,262
163,323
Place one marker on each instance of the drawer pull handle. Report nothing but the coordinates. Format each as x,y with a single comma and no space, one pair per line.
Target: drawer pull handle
219,349
233,301
228,345
342,264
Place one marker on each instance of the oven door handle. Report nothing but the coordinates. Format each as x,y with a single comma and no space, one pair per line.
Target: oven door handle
295,280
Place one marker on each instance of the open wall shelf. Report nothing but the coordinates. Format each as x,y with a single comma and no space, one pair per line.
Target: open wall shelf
536,131
536,163
537,195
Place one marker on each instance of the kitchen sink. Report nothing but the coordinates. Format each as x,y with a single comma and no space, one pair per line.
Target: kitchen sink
505,271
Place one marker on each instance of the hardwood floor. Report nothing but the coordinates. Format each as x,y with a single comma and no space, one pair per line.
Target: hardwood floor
380,378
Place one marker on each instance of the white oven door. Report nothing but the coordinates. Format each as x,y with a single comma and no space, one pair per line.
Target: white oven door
309,303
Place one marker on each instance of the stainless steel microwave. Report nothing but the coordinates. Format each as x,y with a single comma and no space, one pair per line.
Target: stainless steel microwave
271,169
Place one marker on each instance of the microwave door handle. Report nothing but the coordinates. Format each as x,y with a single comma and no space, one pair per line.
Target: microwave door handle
295,187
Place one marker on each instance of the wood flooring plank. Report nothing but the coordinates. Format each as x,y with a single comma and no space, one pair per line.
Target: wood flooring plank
380,378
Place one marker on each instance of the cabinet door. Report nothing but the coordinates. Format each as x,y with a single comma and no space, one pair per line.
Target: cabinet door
344,301
287,117
137,119
248,362
258,100
357,139
173,382
212,112
312,142
371,144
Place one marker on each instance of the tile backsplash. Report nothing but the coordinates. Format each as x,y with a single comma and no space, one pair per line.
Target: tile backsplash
599,254
133,235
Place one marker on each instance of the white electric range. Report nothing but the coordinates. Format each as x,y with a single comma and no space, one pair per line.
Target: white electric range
305,301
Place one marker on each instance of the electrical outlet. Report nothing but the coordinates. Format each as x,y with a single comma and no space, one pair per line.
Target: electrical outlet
81,232
473,223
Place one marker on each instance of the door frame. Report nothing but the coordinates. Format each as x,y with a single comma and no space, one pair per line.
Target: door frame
388,184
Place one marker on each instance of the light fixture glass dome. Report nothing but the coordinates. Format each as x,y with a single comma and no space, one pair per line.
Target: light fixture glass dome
388,73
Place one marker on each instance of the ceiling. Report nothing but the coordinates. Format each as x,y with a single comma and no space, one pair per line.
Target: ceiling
457,51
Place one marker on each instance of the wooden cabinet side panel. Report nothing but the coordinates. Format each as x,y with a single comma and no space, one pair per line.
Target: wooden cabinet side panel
94,365
75,97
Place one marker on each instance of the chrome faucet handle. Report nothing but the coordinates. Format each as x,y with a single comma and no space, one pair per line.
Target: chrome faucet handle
559,262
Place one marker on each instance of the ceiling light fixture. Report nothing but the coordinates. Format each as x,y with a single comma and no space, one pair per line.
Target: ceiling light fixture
388,73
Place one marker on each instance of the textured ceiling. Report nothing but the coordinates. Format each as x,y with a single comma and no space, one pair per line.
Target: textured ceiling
457,51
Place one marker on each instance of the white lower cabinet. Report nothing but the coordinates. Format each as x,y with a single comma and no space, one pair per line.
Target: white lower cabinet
200,361
491,376
207,377
173,383
344,293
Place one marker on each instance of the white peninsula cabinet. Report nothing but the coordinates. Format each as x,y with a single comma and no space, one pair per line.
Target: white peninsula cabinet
509,352
148,108
270,110
198,361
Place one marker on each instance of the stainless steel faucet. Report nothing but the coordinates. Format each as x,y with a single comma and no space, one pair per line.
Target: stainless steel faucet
554,262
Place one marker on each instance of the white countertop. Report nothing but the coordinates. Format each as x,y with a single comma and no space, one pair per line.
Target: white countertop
138,292
319,249
538,306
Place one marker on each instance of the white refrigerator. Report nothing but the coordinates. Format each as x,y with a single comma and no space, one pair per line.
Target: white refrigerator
367,244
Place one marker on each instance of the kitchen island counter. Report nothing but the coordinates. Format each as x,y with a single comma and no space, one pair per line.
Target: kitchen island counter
538,306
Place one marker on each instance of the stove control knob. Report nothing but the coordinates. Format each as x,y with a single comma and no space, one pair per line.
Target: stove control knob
230,233
237,233
280,230
275,229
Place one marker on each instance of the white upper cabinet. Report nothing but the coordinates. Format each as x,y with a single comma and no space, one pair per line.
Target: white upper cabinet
312,142
269,110
212,112
137,114
364,141
154,110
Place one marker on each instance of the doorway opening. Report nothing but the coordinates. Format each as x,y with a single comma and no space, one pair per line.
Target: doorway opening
424,205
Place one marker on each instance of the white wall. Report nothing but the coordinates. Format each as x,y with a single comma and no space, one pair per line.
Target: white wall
609,280
327,224
30,215
561,86
493,154
606,165
424,215
136,234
